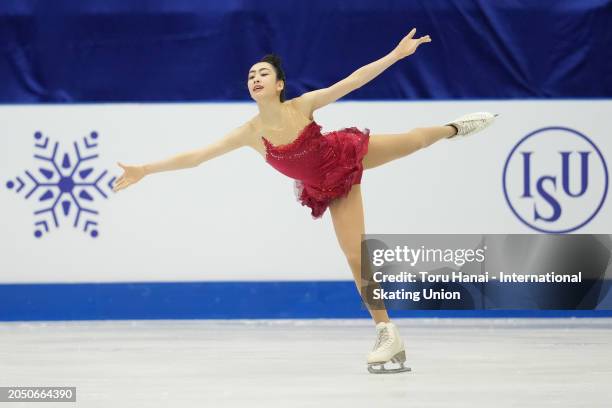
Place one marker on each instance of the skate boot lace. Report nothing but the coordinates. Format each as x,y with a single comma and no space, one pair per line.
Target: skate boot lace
383,340
473,124
468,125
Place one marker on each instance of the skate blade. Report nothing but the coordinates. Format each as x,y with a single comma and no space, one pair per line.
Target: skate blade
379,368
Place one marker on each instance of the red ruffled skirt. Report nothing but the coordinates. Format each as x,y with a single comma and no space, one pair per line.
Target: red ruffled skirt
324,166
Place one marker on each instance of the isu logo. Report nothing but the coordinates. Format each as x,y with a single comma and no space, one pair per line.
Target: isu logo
555,180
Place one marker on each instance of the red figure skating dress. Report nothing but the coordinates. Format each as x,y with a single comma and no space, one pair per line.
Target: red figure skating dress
324,166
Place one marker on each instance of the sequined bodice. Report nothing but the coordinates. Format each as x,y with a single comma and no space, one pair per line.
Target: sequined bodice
307,157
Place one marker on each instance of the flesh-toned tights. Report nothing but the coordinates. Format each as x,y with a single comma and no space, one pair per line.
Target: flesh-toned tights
347,212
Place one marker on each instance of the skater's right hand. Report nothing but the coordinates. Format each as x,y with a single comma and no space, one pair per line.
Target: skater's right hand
131,175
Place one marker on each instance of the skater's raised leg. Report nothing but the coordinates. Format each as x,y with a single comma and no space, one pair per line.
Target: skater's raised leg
388,147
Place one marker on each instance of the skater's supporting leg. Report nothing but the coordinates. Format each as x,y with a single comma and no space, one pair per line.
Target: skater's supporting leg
348,220
385,148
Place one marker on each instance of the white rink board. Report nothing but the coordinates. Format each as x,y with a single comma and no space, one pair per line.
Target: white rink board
235,217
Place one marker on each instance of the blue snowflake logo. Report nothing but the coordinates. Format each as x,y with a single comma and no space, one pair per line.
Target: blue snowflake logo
67,184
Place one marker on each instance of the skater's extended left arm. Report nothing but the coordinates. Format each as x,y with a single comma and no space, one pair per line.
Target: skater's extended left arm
311,101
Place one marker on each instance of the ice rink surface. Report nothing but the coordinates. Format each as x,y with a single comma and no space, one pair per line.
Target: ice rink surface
312,363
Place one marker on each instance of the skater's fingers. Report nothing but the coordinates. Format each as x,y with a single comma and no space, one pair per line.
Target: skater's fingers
119,186
411,33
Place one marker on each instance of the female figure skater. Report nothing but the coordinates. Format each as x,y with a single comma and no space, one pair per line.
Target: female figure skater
327,168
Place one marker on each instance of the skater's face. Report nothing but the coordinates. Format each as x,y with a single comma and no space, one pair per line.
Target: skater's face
262,82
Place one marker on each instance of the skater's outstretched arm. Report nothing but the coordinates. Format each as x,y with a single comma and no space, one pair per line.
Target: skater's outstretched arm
232,140
311,101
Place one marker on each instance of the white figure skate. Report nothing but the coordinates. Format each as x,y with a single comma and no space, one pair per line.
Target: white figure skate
389,348
471,123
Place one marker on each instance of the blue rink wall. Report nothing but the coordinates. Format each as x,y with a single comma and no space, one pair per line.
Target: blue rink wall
234,300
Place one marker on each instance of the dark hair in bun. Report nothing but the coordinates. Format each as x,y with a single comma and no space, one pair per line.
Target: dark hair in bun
275,61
